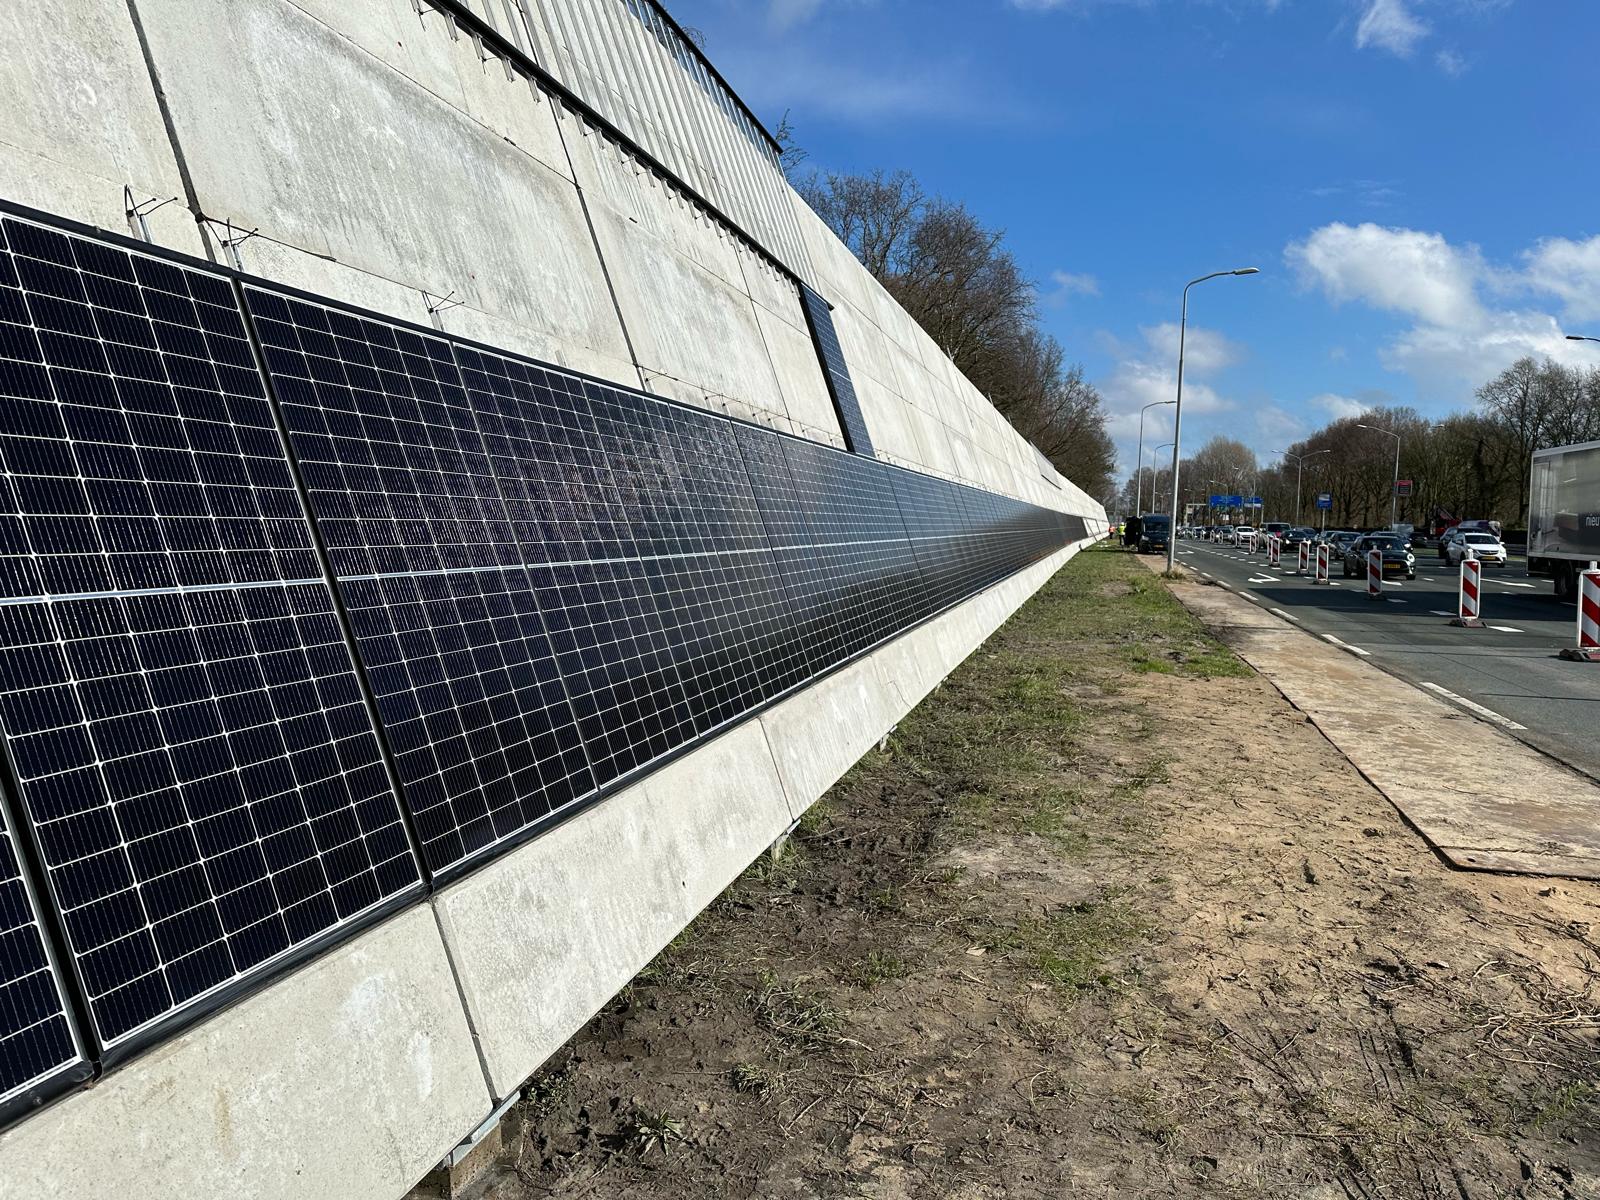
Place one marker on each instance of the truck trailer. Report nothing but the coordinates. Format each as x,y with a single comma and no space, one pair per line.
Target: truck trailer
1564,514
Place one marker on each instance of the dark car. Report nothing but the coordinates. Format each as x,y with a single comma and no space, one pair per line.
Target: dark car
1155,533
1397,560
1296,534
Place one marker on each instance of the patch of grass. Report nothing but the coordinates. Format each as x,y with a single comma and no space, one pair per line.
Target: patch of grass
752,1079
794,1015
1578,1096
653,1131
878,967
1071,948
814,820
549,1091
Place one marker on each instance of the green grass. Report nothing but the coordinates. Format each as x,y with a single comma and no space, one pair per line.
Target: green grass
1072,947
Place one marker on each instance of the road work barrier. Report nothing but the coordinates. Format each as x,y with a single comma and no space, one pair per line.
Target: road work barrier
1274,551
1322,566
1304,567
1588,648
1374,574
1469,600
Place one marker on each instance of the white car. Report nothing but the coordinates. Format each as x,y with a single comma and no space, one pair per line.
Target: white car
1243,535
1485,547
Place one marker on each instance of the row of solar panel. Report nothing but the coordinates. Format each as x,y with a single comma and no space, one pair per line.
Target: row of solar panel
301,609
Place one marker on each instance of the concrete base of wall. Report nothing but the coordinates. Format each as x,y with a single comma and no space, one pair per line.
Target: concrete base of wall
353,1077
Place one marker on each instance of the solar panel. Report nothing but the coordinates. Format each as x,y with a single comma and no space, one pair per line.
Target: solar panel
37,1041
422,547
860,541
819,313
549,582
178,702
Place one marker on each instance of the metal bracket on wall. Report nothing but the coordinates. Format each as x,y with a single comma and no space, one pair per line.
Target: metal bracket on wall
231,239
137,210
440,304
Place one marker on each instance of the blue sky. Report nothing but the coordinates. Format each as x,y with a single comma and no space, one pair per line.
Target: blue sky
1417,179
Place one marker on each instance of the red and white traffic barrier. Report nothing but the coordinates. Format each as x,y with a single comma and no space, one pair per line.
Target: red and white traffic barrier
1305,559
1374,574
1588,648
1274,550
1469,602
1322,575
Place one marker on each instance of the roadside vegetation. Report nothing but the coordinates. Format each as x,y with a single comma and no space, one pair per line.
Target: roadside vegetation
1105,917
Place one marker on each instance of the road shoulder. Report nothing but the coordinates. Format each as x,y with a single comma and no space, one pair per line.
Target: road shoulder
1482,799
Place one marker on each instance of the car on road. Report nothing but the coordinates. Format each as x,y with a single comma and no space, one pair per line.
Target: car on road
1485,547
1155,533
1296,534
1276,528
1243,534
1397,560
1225,535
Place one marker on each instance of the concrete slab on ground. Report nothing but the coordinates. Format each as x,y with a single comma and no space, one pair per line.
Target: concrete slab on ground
1481,798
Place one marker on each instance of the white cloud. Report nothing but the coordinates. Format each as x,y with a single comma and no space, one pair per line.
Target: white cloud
1146,372
786,14
1391,26
1068,284
1469,318
1337,406
1570,270
1402,270
1450,62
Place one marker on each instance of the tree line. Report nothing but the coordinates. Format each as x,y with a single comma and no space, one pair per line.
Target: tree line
957,279
1469,465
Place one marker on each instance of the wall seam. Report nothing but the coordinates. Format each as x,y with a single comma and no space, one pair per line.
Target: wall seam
594,240
191,195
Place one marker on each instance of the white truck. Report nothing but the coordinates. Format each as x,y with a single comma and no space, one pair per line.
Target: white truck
1564,514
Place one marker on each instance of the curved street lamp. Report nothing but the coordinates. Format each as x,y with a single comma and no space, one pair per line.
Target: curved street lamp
1299,475
1394,494
1177,416
1138,474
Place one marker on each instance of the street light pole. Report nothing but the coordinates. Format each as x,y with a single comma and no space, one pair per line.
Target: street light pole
1177,416
1394,494
1138,473
1300,474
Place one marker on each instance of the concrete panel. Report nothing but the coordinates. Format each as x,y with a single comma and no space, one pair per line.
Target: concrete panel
81,120
543,937
346,1081
290,127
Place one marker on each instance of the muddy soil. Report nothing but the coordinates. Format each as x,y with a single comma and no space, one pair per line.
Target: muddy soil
1106,918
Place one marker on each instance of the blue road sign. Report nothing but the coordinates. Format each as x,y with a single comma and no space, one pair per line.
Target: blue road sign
1253,502
1219,501
1324,499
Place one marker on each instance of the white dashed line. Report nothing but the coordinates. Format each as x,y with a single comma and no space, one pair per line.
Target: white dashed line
1488,714
1507,629
1508,583
1284,615
1394,600
1439,612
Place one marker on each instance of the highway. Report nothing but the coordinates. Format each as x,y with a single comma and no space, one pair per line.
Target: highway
1507,673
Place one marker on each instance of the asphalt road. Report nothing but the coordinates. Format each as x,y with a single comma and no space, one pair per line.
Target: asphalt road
1507,673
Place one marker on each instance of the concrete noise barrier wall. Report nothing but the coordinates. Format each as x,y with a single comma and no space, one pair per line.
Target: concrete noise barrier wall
411,617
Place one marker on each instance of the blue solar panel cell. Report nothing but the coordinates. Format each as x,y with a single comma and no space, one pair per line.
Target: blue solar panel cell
847,407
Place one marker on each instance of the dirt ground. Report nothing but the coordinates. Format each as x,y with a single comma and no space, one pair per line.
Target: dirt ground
1107,917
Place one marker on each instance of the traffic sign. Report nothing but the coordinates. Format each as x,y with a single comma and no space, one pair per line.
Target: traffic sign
1253,502
1324,499
1402,487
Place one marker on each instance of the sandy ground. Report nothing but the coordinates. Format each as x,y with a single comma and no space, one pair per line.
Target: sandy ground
1106,918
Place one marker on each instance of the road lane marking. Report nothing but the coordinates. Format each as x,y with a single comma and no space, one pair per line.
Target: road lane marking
1508,583
1507,629
1487,714
1439,612
1347,646
1394,600
1284,615
1246,594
